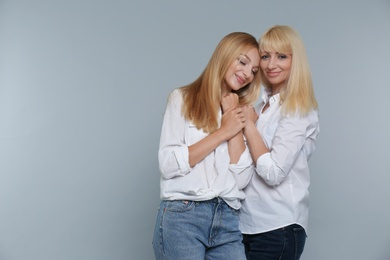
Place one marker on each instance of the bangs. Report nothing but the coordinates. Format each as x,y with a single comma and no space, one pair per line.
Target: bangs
275,41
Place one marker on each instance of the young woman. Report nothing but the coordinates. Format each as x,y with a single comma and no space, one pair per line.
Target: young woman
274,215
202,152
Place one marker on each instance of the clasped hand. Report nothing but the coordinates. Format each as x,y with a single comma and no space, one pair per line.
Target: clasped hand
234,117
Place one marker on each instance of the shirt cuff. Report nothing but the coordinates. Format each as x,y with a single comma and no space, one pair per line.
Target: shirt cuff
263,164
182,158
243,163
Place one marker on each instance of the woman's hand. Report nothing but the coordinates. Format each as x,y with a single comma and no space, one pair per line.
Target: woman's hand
250,114
233,121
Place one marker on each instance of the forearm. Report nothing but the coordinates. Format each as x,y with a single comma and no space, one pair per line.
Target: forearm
255,142
236,147
198,151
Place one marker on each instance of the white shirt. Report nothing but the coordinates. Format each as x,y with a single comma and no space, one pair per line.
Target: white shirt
277,194
210,178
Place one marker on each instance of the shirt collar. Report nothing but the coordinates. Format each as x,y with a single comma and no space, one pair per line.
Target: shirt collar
268,97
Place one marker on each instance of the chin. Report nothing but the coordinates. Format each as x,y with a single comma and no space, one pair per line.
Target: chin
274,82
235,88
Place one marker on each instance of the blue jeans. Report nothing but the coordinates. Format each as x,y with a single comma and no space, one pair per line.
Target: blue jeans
285,243
197,230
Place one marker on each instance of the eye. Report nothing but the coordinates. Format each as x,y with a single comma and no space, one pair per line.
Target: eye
282,56
264,57
243,61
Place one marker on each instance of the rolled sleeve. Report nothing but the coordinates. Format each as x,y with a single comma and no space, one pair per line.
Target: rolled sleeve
181,155
176,163
173,152
243,163
243,169
266,168
289,140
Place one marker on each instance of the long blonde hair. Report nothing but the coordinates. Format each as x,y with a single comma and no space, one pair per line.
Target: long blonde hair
202,98
298,95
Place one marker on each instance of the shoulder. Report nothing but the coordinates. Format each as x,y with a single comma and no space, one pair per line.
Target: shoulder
176,93
310,119
176,96
312,116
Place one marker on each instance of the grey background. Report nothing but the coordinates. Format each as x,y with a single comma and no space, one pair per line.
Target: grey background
83,86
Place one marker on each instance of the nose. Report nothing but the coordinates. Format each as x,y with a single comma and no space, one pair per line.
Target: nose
271,63
247,71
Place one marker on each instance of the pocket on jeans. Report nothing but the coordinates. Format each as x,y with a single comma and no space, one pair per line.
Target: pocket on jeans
234,211
299,230
179,205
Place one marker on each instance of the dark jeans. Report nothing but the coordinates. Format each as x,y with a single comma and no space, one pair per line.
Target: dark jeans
285,243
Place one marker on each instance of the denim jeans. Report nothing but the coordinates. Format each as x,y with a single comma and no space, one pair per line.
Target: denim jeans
192,230
285,243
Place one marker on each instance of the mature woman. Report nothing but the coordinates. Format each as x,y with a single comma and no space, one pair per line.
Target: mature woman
274,215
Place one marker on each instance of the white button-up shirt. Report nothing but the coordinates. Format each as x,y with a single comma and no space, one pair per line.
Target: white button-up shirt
277,194
213,177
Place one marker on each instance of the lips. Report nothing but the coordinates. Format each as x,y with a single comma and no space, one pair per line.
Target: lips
240,79
273,74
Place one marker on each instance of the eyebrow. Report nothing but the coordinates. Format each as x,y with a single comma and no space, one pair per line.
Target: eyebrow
249,60
246,57
276,52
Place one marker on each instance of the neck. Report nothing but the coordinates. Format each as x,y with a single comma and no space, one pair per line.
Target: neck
275,89
224,90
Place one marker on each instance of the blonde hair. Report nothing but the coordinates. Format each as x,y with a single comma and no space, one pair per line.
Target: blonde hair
202,98
298,95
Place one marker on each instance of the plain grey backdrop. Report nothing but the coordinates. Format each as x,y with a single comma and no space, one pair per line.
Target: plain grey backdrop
83,87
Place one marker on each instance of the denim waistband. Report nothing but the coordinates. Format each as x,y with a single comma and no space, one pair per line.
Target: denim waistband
292,226
214,200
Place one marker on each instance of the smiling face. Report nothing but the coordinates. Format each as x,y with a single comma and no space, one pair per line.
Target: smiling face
276,69
241,72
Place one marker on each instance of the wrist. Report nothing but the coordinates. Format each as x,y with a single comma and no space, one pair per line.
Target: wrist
222,134
249,127
227,110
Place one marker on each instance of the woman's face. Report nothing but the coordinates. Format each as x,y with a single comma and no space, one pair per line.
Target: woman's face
276,68
242,71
